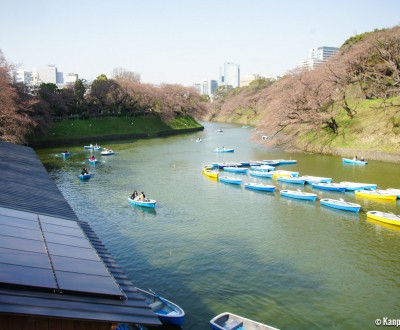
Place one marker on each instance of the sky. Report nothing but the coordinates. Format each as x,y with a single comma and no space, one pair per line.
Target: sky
181,41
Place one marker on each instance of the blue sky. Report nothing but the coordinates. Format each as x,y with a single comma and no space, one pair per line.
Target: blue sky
178,41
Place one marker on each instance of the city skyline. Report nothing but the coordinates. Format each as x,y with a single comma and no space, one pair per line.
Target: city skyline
176,42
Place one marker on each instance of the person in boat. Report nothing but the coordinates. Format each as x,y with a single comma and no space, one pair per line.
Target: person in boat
92,158
134,195
85,171
362,159
142,197
355,158
96,145
65,151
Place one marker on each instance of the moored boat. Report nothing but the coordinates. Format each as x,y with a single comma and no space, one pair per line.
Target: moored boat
230,179
261,174
329,186
235,169
259,186
353,161
262,168
278,173
340,204
357,185
224,150
393,191
168,312
229,321
289,179
313,179
270,162
210,172
389,218
146,203
298,194
286,161
376,194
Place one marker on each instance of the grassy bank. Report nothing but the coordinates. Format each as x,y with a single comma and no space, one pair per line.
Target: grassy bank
82,130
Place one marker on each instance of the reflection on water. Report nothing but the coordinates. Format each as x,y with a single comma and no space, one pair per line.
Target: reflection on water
213,247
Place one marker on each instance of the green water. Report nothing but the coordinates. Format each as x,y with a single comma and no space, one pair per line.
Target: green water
213,247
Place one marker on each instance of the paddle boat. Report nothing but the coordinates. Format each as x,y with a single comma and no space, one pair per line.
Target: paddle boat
261,174
92,160
340,204
289,179
394,191
107,152
278,173
315,179
376,194
259,186
235,169
229,321
85,177
146,203
230,179
210,172
389,218
286,161
298,194
353,161
357,186
168,312
329,186
223,150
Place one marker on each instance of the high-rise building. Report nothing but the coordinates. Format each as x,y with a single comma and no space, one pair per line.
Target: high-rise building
229,75
22,76
208,87
318,56
198,87
71,78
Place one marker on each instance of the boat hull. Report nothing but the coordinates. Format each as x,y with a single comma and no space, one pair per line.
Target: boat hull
229,321
259,187
235,169
389,218
211,173
376,195
230,180
329,186
298,195
291,180
261,174
354,162
224,150
85,177
340,205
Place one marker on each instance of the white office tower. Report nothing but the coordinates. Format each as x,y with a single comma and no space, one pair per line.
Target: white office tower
229,75
47,74
71,78
22,76
318,56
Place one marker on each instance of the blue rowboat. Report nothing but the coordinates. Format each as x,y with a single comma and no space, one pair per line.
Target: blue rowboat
262,168
147,203
286,161
235,169
88,147
230,179
270,162
340,204
259,186
295,180
315,179
224,150
168,312
329,186
353,161
229,321
85,176
357,186
261,174
298,194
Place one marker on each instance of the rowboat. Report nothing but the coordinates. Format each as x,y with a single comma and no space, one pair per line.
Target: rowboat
107,152
224,150
329,186
295,180
394,191
353,161
298,194
286,161
88,147
92,161
313,179
262,168
230,179
219,130
376,194
271,162
357,186
229,321
390,218
235,169
210,172
261,174
168,312
146,203
278,173
85,176
259,186
340,204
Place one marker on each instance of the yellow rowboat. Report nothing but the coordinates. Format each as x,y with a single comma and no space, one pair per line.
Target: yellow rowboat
376,194
390,218
283,173
211,173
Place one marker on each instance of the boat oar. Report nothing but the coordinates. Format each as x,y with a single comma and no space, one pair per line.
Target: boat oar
164,301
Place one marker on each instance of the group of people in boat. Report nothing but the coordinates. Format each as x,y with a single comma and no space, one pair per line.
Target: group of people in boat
141,198
356,158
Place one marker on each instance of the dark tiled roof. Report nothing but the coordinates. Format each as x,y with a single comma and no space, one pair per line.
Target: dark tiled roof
26,186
